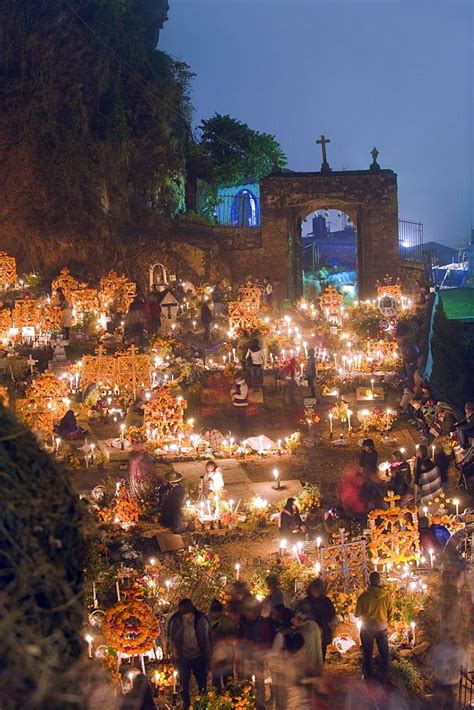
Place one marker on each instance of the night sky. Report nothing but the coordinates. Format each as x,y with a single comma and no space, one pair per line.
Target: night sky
398,75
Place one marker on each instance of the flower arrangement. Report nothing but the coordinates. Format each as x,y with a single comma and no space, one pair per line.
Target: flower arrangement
293,441
26,313
127,508
46,402
162,346
258,510
67,283
310,417
340,409
5,322
237,694
378,420
344,602
163,677
131,627
308,498
116,292
85,300
51,318
7,270
164,415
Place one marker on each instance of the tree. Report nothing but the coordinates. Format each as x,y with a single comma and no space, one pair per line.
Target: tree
41,574
230,152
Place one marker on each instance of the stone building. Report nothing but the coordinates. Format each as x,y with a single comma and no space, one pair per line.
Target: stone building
370,199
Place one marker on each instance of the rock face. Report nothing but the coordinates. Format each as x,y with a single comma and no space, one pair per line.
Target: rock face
90,157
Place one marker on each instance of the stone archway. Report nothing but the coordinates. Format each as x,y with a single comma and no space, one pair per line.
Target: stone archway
369,197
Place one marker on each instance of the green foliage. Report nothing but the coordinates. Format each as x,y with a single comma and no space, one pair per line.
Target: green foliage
96,103
453,359
406,676
41,563
235,153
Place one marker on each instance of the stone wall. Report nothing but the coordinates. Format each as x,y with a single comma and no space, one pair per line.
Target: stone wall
368,197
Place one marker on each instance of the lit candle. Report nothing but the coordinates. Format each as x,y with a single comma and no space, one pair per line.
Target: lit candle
58,442
175,678
237,570
276,476
94,596
318,542
372,384
89,640
412,624
122,429
317,568
456,503
433,451
282,547
432,555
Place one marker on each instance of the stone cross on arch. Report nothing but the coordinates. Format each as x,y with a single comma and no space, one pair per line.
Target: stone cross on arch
323,141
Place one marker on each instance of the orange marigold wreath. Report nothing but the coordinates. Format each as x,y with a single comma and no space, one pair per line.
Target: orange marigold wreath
131,627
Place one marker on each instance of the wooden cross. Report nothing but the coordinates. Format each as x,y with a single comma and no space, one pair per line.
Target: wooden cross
31,362
323,141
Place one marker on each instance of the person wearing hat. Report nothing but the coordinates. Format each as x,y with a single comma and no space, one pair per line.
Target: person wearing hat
374,610
465,428
445,420
172,503
239,394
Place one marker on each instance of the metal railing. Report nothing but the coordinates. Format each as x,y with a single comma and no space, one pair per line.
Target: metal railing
410,240
466,689
241,209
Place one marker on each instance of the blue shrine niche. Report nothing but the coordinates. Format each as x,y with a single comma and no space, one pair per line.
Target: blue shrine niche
239,206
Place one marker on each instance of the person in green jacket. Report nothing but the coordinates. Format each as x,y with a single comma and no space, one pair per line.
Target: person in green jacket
374,609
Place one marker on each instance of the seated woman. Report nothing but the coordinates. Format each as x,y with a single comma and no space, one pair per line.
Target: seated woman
400,471
290,519
67,428
213,479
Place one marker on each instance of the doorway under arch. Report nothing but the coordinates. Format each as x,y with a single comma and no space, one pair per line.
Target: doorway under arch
329,251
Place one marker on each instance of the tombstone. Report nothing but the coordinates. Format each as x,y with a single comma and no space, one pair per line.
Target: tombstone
59,361
169,308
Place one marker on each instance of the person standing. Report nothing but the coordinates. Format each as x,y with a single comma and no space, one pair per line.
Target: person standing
427,476
255,633
154,313
66,313
400,474
206,320
318,607
312,651
465,428
374,609
255,360
368,457
275,597
311,372
267,291
239,394
188,633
